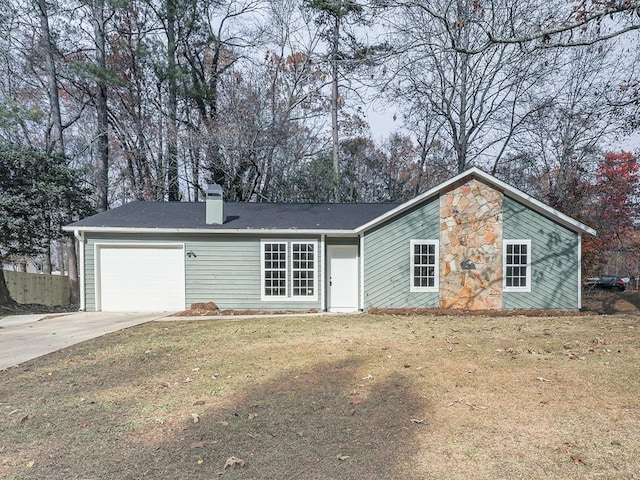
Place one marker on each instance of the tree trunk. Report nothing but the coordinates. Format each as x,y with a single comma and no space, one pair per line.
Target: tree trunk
5,296
60,249
57,144
172,127
74,289
46,264
102,139
335,153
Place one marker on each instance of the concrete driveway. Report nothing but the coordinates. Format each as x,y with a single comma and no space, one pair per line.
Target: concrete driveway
23,337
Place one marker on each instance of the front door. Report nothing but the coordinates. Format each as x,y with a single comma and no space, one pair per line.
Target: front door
342,276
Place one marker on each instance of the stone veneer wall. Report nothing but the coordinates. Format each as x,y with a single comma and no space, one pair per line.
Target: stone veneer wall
471,247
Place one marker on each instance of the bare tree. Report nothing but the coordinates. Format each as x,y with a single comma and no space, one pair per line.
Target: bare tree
99,21
562,141
533,25
480,99
211,38
55,144
172,72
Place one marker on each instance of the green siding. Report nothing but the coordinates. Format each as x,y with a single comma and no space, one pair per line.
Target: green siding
225,270
387,258
554,260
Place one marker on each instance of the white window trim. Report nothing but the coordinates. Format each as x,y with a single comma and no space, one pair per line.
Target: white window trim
313,297
436,272
263,296
289,297
505,243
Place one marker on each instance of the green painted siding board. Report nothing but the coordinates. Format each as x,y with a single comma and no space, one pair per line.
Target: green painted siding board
554,256
89,282
387,258
225,270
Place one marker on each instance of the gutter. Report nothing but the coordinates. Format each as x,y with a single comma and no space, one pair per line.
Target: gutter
225,231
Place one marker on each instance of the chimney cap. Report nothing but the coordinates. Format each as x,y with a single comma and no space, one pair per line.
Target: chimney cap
214,189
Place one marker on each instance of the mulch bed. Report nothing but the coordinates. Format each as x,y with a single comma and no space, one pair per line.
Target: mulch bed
210,309
594,303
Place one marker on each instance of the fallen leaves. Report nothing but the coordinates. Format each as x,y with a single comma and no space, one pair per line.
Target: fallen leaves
233,462
346,415
577,459
203,443
472,406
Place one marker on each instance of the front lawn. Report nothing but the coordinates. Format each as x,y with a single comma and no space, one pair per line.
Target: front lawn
332,397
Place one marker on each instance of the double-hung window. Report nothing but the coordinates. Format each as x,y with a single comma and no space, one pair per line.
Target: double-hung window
274,269
289,270
303,269
517,266
424,266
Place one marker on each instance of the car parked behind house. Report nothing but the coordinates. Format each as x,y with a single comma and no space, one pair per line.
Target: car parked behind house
606,282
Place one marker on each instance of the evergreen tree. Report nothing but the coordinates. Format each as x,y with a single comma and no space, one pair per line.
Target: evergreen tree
39,194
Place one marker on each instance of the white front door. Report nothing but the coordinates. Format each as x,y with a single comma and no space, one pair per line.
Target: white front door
342,278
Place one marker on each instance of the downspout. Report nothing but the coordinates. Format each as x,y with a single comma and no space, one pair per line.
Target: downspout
361,236
323,280
80,238
579,271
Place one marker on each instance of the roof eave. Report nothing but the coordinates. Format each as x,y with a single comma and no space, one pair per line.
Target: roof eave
245,231
510,191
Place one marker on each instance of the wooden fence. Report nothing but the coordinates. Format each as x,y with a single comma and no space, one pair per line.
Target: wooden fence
38,288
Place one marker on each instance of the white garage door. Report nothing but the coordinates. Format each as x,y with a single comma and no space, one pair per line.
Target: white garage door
140,279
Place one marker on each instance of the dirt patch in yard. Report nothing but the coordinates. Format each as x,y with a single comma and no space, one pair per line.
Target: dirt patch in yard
321,397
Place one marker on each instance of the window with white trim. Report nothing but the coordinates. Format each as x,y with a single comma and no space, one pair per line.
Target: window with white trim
424,266
517,266
289,270
303,271
274,268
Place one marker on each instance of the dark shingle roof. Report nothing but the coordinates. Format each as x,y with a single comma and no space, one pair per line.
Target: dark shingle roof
248,216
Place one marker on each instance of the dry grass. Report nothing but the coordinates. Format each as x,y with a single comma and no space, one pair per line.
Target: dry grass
349,397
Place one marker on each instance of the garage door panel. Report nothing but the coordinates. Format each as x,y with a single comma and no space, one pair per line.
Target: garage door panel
141,278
